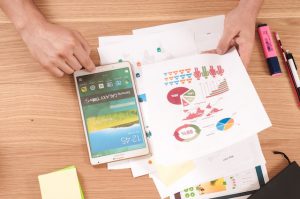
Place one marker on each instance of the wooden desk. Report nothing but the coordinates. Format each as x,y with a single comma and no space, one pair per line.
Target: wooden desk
40,124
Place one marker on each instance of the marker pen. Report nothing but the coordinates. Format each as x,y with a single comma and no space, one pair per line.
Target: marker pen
294,74
269,49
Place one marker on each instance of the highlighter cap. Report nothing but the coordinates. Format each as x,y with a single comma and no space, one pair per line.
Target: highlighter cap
274,66
261,25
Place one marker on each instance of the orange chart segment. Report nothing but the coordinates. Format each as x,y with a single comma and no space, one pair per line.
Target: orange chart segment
225,124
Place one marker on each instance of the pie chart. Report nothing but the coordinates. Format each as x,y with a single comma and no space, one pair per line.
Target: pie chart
174,95
188,97
225,124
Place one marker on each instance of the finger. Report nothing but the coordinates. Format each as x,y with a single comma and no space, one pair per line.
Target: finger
213,51
55,71
84,58
73,62
64,67
244,49
233,42
225,41
83,42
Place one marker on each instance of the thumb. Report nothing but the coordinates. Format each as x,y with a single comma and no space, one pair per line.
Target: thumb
245,50
225,41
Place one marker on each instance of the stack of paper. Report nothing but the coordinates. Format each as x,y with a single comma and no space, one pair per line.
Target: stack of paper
62,184
204,134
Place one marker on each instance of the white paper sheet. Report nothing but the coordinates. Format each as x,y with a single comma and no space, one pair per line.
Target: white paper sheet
206,31
142,50
108,40
202,26
242,197
228,161
239,184
123,164
200,104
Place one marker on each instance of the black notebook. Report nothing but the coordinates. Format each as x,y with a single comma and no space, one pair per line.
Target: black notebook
286,185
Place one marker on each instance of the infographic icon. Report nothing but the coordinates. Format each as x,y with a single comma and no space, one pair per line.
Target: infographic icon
187,132
225,124
188,97
174,95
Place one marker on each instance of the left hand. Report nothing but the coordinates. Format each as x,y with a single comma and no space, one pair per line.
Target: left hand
58,49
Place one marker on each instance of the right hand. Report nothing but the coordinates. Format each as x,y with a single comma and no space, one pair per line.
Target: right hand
239,31
59,50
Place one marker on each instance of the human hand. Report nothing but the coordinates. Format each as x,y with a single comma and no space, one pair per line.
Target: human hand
239,31
59,50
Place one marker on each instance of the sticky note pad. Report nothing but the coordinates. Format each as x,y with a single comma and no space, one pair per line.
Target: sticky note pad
61,184
171,173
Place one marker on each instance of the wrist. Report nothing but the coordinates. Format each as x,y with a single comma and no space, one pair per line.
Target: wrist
250,7
30,25
24,15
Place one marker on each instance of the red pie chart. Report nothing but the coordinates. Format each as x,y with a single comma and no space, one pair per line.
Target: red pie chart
174,95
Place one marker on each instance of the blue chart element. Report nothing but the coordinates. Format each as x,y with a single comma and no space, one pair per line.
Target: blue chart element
225,124
142,98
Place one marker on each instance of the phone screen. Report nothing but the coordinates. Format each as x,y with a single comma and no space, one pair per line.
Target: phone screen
110,112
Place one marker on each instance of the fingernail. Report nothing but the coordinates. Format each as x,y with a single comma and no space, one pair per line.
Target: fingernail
92,66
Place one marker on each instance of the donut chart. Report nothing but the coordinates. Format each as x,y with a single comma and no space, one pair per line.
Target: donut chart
225,124
187,132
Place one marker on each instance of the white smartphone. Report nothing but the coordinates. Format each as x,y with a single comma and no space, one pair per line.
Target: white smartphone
111,114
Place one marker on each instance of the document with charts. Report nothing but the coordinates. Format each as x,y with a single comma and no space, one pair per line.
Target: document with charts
241,184
200,104
227,161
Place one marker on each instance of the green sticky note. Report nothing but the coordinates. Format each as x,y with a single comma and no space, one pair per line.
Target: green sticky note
61,184
73,167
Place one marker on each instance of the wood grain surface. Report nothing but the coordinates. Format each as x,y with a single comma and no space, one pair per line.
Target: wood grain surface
40,124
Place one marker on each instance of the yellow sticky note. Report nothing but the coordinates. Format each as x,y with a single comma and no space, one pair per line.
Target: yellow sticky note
62,184
171,173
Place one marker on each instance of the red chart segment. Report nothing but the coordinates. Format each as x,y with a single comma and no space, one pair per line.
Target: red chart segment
174,95
198,113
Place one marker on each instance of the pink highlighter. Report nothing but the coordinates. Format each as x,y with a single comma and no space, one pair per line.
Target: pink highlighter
269,49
